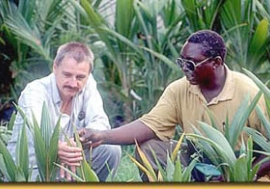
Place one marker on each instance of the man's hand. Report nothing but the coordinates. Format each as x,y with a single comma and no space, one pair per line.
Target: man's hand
90,138
70,157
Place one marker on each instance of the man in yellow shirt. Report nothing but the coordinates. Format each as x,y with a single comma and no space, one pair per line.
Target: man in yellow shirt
208,84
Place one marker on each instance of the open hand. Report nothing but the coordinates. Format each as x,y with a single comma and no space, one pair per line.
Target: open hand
90,137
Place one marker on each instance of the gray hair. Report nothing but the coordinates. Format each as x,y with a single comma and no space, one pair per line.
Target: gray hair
76,50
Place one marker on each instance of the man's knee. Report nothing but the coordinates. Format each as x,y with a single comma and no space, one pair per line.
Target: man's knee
154,148
106,154
114,152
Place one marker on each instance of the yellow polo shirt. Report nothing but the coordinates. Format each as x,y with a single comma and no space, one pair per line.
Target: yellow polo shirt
183,104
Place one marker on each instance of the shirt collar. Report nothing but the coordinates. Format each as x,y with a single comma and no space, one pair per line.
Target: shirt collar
55,91
227,92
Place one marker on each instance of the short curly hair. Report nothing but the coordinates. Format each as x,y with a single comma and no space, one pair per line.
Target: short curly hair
213,43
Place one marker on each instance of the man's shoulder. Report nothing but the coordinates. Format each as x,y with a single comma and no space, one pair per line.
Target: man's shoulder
39,85
179,86
241,78
179,83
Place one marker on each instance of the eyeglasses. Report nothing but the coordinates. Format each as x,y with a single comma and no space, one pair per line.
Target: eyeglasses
189,63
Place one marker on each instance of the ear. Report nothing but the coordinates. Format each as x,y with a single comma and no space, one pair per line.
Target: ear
54,67
218,61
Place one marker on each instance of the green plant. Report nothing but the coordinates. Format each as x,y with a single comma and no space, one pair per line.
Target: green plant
221,148
218,149
246,31
262,140
16,171
135,60
45,136
31,31
6,129
173,172
84,172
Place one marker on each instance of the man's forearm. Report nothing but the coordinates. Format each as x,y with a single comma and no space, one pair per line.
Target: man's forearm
127,134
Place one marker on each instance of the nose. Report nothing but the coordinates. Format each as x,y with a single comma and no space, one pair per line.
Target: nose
185,68
73,82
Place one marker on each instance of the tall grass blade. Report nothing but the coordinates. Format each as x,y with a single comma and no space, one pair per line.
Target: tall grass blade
3,169
258,138
144,169
8,162
52,155
240,118
46,128
226,156
177,174
40,149
177,147
186,176
23,157
258,82
146,162
264,119
217,137
239,173
85,170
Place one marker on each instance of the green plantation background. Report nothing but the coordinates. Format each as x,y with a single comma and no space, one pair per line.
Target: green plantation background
135,45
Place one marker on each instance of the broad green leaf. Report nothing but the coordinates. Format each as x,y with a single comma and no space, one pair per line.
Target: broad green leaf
3,169
23,152
90,175
240,119
170,169
46,126
177,174
124,23
186,176
144,28
39,146
123,39
177,148
162,174
11,121
240,172
144,169
217,137
258,138
250,158
53,150
264,120
258,82
19,176
21,112
162,58
8,161
260,36
224,150
190,10
257,46
145,161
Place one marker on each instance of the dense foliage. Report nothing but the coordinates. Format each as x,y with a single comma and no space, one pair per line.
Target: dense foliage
135,45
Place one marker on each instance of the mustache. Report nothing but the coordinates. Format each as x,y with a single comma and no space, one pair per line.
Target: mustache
72,88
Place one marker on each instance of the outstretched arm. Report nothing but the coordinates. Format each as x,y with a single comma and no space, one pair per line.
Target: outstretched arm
126,134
